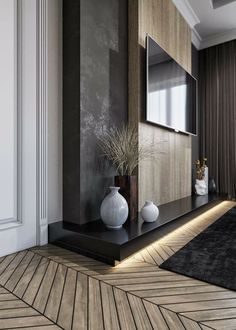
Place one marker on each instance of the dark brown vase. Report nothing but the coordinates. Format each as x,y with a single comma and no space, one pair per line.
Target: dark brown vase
129,190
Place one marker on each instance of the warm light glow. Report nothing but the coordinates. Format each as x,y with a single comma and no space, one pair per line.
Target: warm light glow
213,213
202,221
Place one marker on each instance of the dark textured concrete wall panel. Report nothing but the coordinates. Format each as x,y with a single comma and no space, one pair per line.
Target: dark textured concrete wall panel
71,110
95,79
103,89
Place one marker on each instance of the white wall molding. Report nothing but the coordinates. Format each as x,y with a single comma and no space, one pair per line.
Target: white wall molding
42,121
217,39
21,234
192,19
18,98
187,12
196,38
17,217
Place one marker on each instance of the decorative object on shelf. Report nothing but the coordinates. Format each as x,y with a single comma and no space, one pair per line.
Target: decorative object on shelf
149,212
201,188
114,209
211,186
129,190
122,147
205,172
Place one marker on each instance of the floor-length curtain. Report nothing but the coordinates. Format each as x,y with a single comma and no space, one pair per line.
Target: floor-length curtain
217,106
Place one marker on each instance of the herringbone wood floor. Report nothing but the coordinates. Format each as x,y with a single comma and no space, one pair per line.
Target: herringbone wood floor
52,288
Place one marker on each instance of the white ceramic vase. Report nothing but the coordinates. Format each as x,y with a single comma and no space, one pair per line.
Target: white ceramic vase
200,187
206,179
114,209
149,212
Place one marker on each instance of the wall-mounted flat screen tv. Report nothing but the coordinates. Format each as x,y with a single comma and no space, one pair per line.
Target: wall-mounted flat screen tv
171,92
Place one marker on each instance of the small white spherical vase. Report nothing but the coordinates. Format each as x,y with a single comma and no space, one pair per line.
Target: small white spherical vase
149,212
114,209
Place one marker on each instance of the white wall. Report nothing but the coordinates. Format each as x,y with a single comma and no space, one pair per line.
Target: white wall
54,110
7,111
21,233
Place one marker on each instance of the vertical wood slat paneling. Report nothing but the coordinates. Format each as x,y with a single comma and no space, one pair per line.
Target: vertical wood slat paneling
168,176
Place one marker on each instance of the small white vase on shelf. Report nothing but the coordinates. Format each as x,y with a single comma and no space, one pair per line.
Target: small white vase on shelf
149,212
114,209
200,187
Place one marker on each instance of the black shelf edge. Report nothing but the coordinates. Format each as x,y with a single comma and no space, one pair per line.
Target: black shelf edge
96,241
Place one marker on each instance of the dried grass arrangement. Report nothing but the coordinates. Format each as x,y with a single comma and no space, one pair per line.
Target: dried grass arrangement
200,168
121,146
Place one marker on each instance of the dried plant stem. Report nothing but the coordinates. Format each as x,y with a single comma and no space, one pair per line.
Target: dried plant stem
121,147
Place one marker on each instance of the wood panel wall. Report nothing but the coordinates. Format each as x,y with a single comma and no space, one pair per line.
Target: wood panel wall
168,176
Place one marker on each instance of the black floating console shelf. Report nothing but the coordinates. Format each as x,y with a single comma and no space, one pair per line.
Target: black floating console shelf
95,240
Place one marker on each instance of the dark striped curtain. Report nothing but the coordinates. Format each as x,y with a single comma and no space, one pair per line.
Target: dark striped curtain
217,106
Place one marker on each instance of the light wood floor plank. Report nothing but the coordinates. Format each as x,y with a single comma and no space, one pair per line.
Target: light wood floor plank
27,276
2,290
95,306
192,298
65,316
80,319
11,267
155,255
48,327
134,275
172,320
163,250
12,304
6,261
35,282
155,316
110,315
209,315
147,257
145,280
204,327
189,324
24,322
55,296
124,312
45,287
139,313
179,291
7,297
17,312
229,324
167,284
202,305
127,270
19,271
1,259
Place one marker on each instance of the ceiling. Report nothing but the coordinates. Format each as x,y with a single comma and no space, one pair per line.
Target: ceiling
212,21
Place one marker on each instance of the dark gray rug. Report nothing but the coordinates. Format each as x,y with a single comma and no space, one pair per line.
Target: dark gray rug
211,256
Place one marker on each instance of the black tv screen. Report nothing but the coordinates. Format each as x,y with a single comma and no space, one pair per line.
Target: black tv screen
171,91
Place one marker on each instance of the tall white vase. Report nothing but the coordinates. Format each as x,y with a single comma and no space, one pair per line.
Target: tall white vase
206,177
200,187
114,209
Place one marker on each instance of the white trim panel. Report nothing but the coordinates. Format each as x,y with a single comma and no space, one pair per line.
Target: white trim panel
42,134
